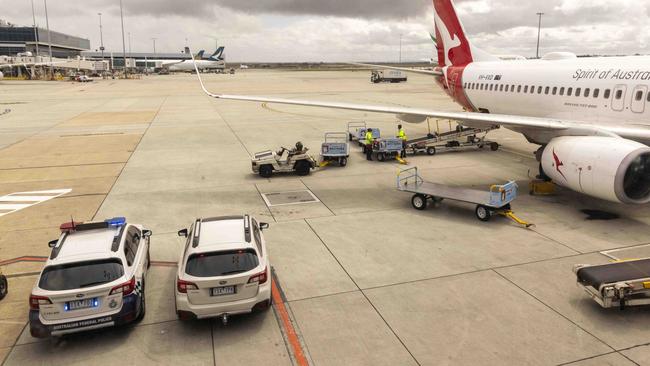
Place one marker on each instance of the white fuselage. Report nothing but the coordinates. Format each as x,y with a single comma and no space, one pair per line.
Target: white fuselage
603,90
187,65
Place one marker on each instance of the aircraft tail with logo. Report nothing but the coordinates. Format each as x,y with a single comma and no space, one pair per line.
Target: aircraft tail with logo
218,54
454,49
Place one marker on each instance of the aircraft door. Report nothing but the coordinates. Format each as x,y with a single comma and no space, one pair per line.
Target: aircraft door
638,98
618,97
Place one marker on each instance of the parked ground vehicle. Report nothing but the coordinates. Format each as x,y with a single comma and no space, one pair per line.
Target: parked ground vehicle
224,269
357,131
387,149
93,278
4,286
388,76
265,163
335,148
83,79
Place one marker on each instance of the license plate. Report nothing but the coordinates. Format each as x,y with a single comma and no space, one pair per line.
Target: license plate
81,304
220,291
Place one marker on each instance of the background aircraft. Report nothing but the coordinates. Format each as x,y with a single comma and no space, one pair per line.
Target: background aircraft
589,115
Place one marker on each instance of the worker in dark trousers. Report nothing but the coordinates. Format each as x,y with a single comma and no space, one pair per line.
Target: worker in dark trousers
402,136
368,146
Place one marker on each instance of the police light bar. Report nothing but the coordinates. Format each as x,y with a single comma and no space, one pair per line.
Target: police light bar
116,221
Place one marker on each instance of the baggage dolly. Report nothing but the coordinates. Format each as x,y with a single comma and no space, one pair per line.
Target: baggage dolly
496,201
390,148
335,148
357,132
618,284
461,137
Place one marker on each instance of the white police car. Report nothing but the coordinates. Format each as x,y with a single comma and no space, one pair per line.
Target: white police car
94,278
224,269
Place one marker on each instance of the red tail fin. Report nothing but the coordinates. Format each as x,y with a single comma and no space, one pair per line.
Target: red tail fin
453,46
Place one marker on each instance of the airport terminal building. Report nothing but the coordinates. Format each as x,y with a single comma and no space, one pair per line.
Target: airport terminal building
14,40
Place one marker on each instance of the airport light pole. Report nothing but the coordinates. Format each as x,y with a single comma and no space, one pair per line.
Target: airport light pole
129,44
49,39
539,30
154,45
123,43
101,36
35,29
400,48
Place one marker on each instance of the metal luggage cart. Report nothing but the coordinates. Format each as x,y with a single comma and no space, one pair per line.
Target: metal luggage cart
335,148
618,284
386,149
357,132
495,201
460,137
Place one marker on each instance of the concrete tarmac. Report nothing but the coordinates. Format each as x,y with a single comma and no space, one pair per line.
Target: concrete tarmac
365,279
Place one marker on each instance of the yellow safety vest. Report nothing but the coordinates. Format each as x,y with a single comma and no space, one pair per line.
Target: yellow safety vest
401,134
369,138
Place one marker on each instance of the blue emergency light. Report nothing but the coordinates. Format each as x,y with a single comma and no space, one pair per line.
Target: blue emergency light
116,221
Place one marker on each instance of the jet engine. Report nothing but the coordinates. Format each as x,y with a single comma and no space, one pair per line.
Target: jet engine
609,168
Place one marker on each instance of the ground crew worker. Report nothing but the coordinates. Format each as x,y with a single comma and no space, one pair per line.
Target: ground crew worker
368,146
402,136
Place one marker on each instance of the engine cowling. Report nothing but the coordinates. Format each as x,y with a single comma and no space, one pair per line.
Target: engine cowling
609,168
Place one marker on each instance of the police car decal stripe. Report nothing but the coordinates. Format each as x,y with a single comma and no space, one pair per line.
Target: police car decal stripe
20,200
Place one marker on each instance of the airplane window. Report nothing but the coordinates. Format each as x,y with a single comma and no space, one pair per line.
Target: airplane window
532,89
548,88
501,87
596,93
562,91
569,91
607,93
512,88
648,97
491,87
507,88
539,90
518,88
639,95
586,92
577,92
554,90
619,94
526,89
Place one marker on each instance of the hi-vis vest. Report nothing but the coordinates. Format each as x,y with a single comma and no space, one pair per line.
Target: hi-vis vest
369,138
401,134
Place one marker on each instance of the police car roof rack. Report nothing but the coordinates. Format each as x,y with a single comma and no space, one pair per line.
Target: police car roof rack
247,228
197,233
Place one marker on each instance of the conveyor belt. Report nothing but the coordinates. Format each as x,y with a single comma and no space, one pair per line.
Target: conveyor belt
596,276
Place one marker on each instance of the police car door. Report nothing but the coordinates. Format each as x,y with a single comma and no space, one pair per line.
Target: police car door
134,251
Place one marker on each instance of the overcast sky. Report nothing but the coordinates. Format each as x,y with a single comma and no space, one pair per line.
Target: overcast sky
344,30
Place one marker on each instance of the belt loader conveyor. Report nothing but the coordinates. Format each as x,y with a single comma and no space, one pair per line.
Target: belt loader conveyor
458,138
495,201
618,284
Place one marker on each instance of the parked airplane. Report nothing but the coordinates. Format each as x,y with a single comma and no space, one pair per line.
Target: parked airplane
589,115
214,62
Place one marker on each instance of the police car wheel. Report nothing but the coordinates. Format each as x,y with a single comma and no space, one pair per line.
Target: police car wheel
419,202
143,304
483,213
431,150
4,288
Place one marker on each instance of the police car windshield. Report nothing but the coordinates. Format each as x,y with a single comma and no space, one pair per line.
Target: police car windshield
221,263
80,275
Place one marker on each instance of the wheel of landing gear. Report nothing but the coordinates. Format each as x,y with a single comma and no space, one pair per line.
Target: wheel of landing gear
419,202
483,213
494,146
431,150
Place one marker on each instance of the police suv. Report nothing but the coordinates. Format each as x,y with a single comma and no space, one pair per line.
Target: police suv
94,278
224,268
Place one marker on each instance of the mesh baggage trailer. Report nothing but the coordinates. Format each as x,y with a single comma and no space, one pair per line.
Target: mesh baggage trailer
488,203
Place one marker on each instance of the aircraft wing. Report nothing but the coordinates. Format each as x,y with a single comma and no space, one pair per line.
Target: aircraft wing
418,115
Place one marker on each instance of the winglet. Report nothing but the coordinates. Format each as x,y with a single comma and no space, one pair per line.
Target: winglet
198,74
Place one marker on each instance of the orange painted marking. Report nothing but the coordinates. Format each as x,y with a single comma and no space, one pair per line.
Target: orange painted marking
288,327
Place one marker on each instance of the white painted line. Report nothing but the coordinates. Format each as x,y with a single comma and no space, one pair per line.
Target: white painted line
608,253
269,204
28,199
